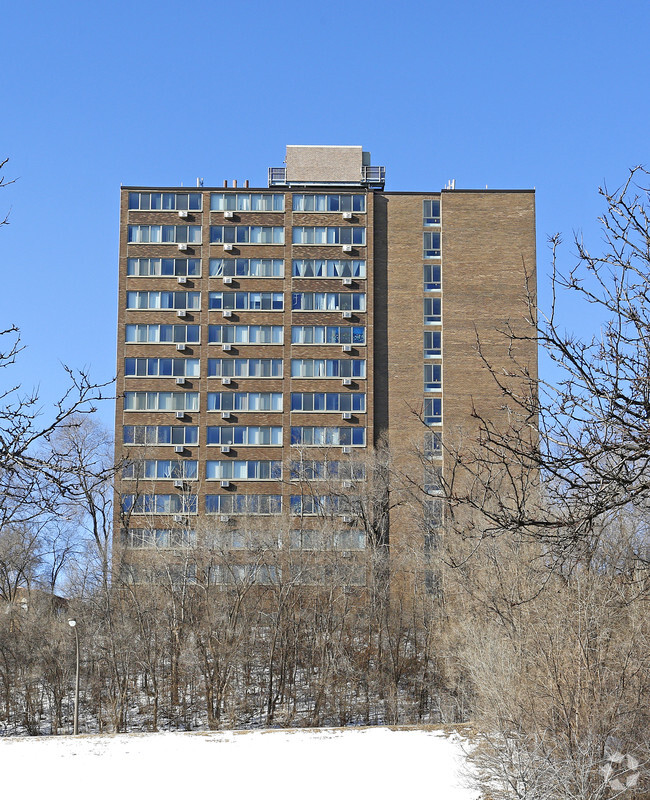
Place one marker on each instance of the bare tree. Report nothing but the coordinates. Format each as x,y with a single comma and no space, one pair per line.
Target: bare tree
547,530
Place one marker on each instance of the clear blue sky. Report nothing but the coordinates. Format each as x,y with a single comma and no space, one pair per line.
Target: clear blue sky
509,94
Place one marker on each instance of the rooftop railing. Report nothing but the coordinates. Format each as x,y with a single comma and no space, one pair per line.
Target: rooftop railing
373,176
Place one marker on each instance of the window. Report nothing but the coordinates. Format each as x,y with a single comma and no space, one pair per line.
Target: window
330,202
246,334
326,235
244,368
246,435
431,212
433,444
247,301
432,344
328,334
328,368
246,234
432,310
432,244
432,277
431,543
350,540
327,574
432,377
433,410
243,504
230,574
241,539
243,470
328,437
328,268
432,480
244,401
161,434
308,540
247,267
164,234
164,201
328,401
153,469
163,267
163,300
158,537
161,367
315,505
432,583
432,514
159,504
162,334
308,470
174,574
244,201
328,301
161,401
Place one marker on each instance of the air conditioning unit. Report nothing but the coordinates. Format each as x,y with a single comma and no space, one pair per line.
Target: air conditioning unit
179,518
347,315
228,247
224,518
228,214
184,214
347,348
182,246
225,448
225,415
227,312
347,381
180,381
180,347
180,415
346,450
226,381
226,347
227,278
179,485
346,484
347,248
224,484
346,518
182,279
179,448
346,415
181,312
347,215
347,281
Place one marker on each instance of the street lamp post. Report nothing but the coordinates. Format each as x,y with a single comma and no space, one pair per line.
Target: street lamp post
73,624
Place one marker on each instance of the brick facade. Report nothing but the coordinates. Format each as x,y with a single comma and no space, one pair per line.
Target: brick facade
488,243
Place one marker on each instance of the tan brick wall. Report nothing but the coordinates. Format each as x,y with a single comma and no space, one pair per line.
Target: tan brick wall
326,164
488,249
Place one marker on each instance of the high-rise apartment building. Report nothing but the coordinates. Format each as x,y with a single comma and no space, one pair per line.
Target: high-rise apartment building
269,338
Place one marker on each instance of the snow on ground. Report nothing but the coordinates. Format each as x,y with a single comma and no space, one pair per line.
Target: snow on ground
336,763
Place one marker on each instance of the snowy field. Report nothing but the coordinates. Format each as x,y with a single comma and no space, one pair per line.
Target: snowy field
372,763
